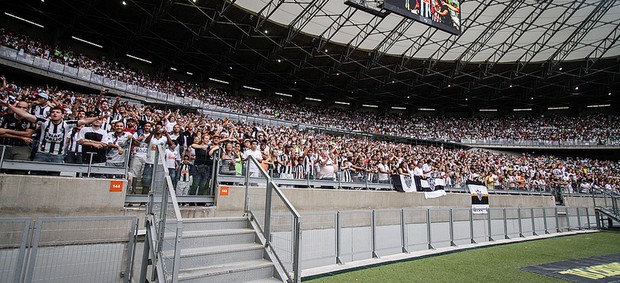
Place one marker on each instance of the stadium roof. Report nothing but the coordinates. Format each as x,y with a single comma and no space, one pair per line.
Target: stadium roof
511,53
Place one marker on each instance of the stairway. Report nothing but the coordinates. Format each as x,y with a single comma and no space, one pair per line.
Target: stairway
220,250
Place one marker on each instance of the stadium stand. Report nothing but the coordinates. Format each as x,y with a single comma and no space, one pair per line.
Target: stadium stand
587,129
290,153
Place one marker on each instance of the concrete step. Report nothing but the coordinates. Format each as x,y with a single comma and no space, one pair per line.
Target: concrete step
232,272
197,224
216,255
211,238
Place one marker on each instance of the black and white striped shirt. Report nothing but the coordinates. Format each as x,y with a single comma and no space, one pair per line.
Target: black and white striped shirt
73,145
53,136
185,171
286,166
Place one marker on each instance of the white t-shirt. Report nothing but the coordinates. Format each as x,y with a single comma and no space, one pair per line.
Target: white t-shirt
383,176
171,157
150,157
326,169
257,154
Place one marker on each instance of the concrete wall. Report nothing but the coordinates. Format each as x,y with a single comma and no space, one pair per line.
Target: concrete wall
66,196
59,196
331,200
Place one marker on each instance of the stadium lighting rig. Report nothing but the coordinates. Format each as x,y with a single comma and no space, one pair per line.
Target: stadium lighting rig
284,94
138,58
252,88
87,42
218,81
24,20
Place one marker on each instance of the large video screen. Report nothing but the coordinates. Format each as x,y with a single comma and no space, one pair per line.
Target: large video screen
442,14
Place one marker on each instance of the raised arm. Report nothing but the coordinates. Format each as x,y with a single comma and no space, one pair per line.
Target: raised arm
20,112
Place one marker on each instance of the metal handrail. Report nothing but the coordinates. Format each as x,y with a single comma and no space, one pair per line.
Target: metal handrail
156,227
272,186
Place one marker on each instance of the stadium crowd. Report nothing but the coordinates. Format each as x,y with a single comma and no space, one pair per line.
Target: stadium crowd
599,129
63,126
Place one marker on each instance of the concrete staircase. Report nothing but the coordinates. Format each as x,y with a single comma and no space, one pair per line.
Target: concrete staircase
220,250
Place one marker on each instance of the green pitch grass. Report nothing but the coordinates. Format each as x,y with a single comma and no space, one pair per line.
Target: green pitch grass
491,264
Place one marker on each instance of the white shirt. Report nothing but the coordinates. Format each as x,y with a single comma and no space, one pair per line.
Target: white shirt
383,176
257,154
150,157
171,158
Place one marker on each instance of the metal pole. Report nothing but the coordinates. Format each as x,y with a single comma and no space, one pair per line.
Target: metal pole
505,225
545,220
520,224
247,186
578,219
403,238
533,222
373,233
471,226
428,229
489,220
145,252
557,223
297,250
588,218
2,157
90,164
567,219
338,260
452,227
267,232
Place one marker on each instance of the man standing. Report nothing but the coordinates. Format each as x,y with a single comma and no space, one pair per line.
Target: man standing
384,171
91,139
54,131
157,137
117,141
253,151
16,132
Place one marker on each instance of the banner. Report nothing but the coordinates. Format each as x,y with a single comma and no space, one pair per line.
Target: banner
434,194
403,183
416,184
479,197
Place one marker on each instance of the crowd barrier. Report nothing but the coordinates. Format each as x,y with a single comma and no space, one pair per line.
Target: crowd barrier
67,249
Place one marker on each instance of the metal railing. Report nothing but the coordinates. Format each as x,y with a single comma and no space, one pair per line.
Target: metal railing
164,226
277,219
542,143
547,190
338,237
84,170
67,249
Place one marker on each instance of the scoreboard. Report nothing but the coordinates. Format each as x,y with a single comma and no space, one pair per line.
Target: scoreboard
442,14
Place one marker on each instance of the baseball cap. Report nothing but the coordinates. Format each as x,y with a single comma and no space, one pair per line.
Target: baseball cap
43,95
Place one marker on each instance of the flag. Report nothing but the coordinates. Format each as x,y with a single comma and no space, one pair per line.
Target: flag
434,194
403,183
479,197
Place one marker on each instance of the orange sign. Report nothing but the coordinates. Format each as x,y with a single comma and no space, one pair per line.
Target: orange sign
224,191
116,186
